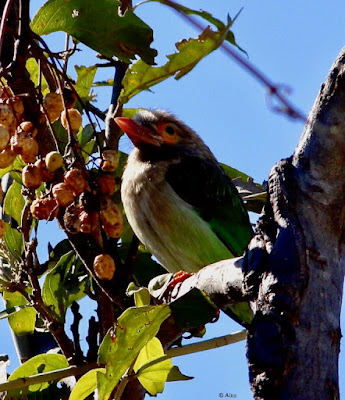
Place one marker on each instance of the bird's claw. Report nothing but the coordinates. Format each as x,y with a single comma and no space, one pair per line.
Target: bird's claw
177,279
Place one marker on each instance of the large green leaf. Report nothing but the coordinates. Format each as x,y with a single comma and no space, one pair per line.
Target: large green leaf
200,13
23,321
36,75
13,206
64,284
37,365
134,328
141,76
14,202
14,242
84,80
86,385
152,375
98,25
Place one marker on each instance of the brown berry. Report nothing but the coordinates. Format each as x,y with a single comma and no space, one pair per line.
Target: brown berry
7,157
5,92
104,267
27,127
29,150
16,103
71,218
111,217
53,105
54,161
17,142
110,160
74,119
63,194
44,208
6,115
70,97
85,222
74,178
46,175
106,184
31,177
4,137
3,225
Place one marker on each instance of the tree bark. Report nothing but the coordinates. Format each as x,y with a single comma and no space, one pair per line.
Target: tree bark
294,341
294,269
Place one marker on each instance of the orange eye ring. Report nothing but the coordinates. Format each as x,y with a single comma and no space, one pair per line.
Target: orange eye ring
168,132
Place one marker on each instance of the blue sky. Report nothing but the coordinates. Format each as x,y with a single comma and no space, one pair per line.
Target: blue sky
294,43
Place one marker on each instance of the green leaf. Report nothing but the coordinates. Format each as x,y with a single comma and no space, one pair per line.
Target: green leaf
86,385
14,242
84,80
141,76
234,173
37,365
134,328
193,310
14,202
152,375
176,375
16,170
141,295
34,71
205,15
98,25
63,285
23,321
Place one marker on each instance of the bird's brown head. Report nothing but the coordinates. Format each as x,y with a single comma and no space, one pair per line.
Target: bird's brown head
160,134
157,128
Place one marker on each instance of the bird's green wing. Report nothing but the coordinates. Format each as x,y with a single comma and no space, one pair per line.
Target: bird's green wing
204,185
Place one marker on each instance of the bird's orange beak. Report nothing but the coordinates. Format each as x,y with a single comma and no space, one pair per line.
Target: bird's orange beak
137,133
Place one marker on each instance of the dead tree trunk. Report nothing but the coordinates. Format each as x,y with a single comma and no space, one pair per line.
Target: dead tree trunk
296,261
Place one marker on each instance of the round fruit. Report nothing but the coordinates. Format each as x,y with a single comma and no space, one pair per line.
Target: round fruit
104,267
106,184
63,194
70,97
74,178
44,208
4,137
6,115
46,175
111,218
16,103
7,157
17,142
53,105
53,161
85,222
110,160
71,218
3,225
31,176
5,92
27,127
74,119
29,150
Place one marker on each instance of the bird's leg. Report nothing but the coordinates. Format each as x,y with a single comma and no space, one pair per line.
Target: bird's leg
179,277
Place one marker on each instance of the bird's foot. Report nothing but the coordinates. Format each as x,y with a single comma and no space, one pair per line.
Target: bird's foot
179,277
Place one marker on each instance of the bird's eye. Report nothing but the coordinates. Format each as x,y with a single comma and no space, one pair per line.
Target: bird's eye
168,132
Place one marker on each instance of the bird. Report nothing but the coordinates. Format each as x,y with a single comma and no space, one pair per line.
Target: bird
180,203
